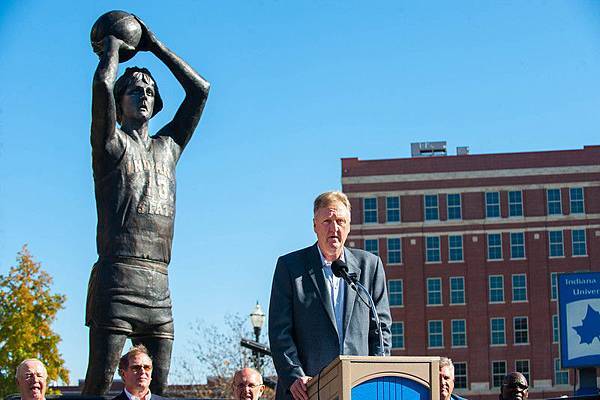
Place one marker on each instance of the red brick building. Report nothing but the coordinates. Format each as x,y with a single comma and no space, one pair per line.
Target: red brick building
471,246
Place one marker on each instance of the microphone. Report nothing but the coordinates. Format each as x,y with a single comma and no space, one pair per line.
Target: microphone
340,269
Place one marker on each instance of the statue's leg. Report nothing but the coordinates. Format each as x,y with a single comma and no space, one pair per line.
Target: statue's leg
105,350
160,350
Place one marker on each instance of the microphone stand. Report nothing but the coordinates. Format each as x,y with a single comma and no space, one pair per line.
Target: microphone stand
371,304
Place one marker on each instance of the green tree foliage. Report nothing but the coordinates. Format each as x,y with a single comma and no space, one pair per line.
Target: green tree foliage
27,310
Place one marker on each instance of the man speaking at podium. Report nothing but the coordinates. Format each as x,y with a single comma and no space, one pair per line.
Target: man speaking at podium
314,315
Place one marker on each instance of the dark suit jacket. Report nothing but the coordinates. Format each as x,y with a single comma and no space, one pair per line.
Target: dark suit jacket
302,330
123,396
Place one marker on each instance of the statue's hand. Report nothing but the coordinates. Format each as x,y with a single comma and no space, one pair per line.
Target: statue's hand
148,40
109,41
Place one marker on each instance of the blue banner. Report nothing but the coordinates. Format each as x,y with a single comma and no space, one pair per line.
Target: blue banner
579,314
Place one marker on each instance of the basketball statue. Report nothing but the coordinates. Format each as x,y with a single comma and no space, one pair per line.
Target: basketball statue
134,179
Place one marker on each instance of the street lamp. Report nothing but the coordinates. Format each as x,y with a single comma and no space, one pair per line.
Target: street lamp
257,319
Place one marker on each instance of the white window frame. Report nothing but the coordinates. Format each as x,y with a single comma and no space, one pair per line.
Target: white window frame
511,203
492,204
489,247
497,331
437,334
490,301
389,251
388,209
376,241
548,202
453,333
512,245
370,210
402,335
571,201
433,292
515,330
562,244
391,292
519,288
585,253
452,290
459,206
427,248
426,207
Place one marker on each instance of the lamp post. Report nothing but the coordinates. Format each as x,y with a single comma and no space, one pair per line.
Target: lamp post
257,319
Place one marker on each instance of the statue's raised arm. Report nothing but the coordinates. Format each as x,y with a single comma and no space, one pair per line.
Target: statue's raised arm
104,113
196,88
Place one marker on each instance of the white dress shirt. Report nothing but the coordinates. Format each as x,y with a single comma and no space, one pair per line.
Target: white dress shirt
337,291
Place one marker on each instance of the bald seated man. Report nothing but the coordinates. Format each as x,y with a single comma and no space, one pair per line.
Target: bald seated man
247,384
514,387
32,379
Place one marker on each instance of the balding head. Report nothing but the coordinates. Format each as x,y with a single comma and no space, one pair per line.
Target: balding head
514,387
32,379
247,384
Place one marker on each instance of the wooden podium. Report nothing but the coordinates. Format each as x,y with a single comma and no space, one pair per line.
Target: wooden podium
377,378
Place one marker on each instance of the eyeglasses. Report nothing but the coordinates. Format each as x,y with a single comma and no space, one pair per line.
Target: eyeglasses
252,386
137,369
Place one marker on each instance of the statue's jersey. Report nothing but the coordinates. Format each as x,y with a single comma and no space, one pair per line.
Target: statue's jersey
135,197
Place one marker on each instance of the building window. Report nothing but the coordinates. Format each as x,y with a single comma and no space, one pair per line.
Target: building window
394,251
457,290
460,375
494,246
515,203
459,333
435,334
433,248
561,376
519,288
455,248
556,243
492,204
554,203
393,209
555,337
431,207
453,206
496,288
397,335
434,291
517,245
520,330
522,366
370,210
395,289
498,373
372,245
578,242
576,201
553,286
497,332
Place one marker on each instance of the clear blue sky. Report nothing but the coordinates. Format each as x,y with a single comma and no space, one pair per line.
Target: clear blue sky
296,85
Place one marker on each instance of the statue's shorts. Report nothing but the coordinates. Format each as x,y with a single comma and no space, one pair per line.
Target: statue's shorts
130,296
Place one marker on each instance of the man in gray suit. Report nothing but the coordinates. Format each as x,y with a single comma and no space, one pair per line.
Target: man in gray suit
313,315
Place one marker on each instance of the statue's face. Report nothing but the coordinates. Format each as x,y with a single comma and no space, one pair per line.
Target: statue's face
138,101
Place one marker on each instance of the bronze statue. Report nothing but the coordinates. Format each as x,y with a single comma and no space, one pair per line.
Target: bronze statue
134,178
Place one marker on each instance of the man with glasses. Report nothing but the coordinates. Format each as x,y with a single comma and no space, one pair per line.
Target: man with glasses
135,368
247,384
514,387
31,379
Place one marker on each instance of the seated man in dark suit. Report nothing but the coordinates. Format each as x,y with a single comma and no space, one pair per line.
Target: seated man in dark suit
313,315
135,368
